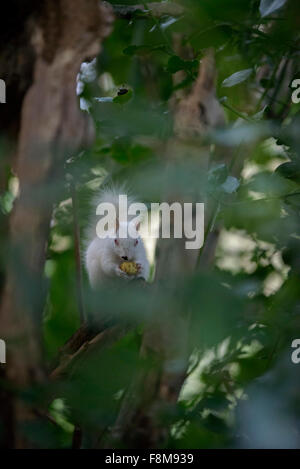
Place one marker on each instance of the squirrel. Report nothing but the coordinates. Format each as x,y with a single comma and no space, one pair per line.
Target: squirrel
104,255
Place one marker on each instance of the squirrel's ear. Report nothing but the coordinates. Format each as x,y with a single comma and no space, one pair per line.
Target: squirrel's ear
137,226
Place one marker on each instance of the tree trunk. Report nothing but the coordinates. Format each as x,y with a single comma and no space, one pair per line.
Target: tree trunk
45,121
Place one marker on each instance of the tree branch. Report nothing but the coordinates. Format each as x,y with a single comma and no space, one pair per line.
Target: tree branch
79,274
101,340
156,9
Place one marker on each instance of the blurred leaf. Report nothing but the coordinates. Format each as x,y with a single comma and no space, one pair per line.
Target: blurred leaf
262,217
126,152
290,170
267,7
217,175
216,310
124,97
144,49
168,22
260,114
241,134
237,77
230,185
175,64
270,184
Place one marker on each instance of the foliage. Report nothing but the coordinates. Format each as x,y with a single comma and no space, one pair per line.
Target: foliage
245,311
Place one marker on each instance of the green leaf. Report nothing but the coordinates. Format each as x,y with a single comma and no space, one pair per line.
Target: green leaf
237,77
267,7
136,50
168,22
290,170
175,64
143,49
269,183
246,133
217,174
260,114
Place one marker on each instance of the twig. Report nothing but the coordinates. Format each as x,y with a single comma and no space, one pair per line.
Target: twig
103,339
156,21
208,230
77,438
44,415
216,209
83,334
79,275
156,9
280,79
265,93
235,111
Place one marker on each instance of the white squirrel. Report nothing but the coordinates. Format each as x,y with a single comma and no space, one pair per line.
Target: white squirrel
104,255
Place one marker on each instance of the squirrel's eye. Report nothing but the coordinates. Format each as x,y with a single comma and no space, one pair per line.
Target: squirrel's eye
136,241
116,242
125,258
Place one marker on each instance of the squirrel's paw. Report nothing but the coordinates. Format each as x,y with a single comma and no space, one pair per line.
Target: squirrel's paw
140,270
121,273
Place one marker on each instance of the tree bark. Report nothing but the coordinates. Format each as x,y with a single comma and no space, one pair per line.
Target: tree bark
48,125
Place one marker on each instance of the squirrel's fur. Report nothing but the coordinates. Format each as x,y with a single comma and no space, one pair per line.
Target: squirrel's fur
104,255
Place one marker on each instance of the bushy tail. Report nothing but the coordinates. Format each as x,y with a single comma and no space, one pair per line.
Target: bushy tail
108,194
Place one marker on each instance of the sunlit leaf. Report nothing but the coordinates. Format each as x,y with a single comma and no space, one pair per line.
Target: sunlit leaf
168,22
267,7
237,77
